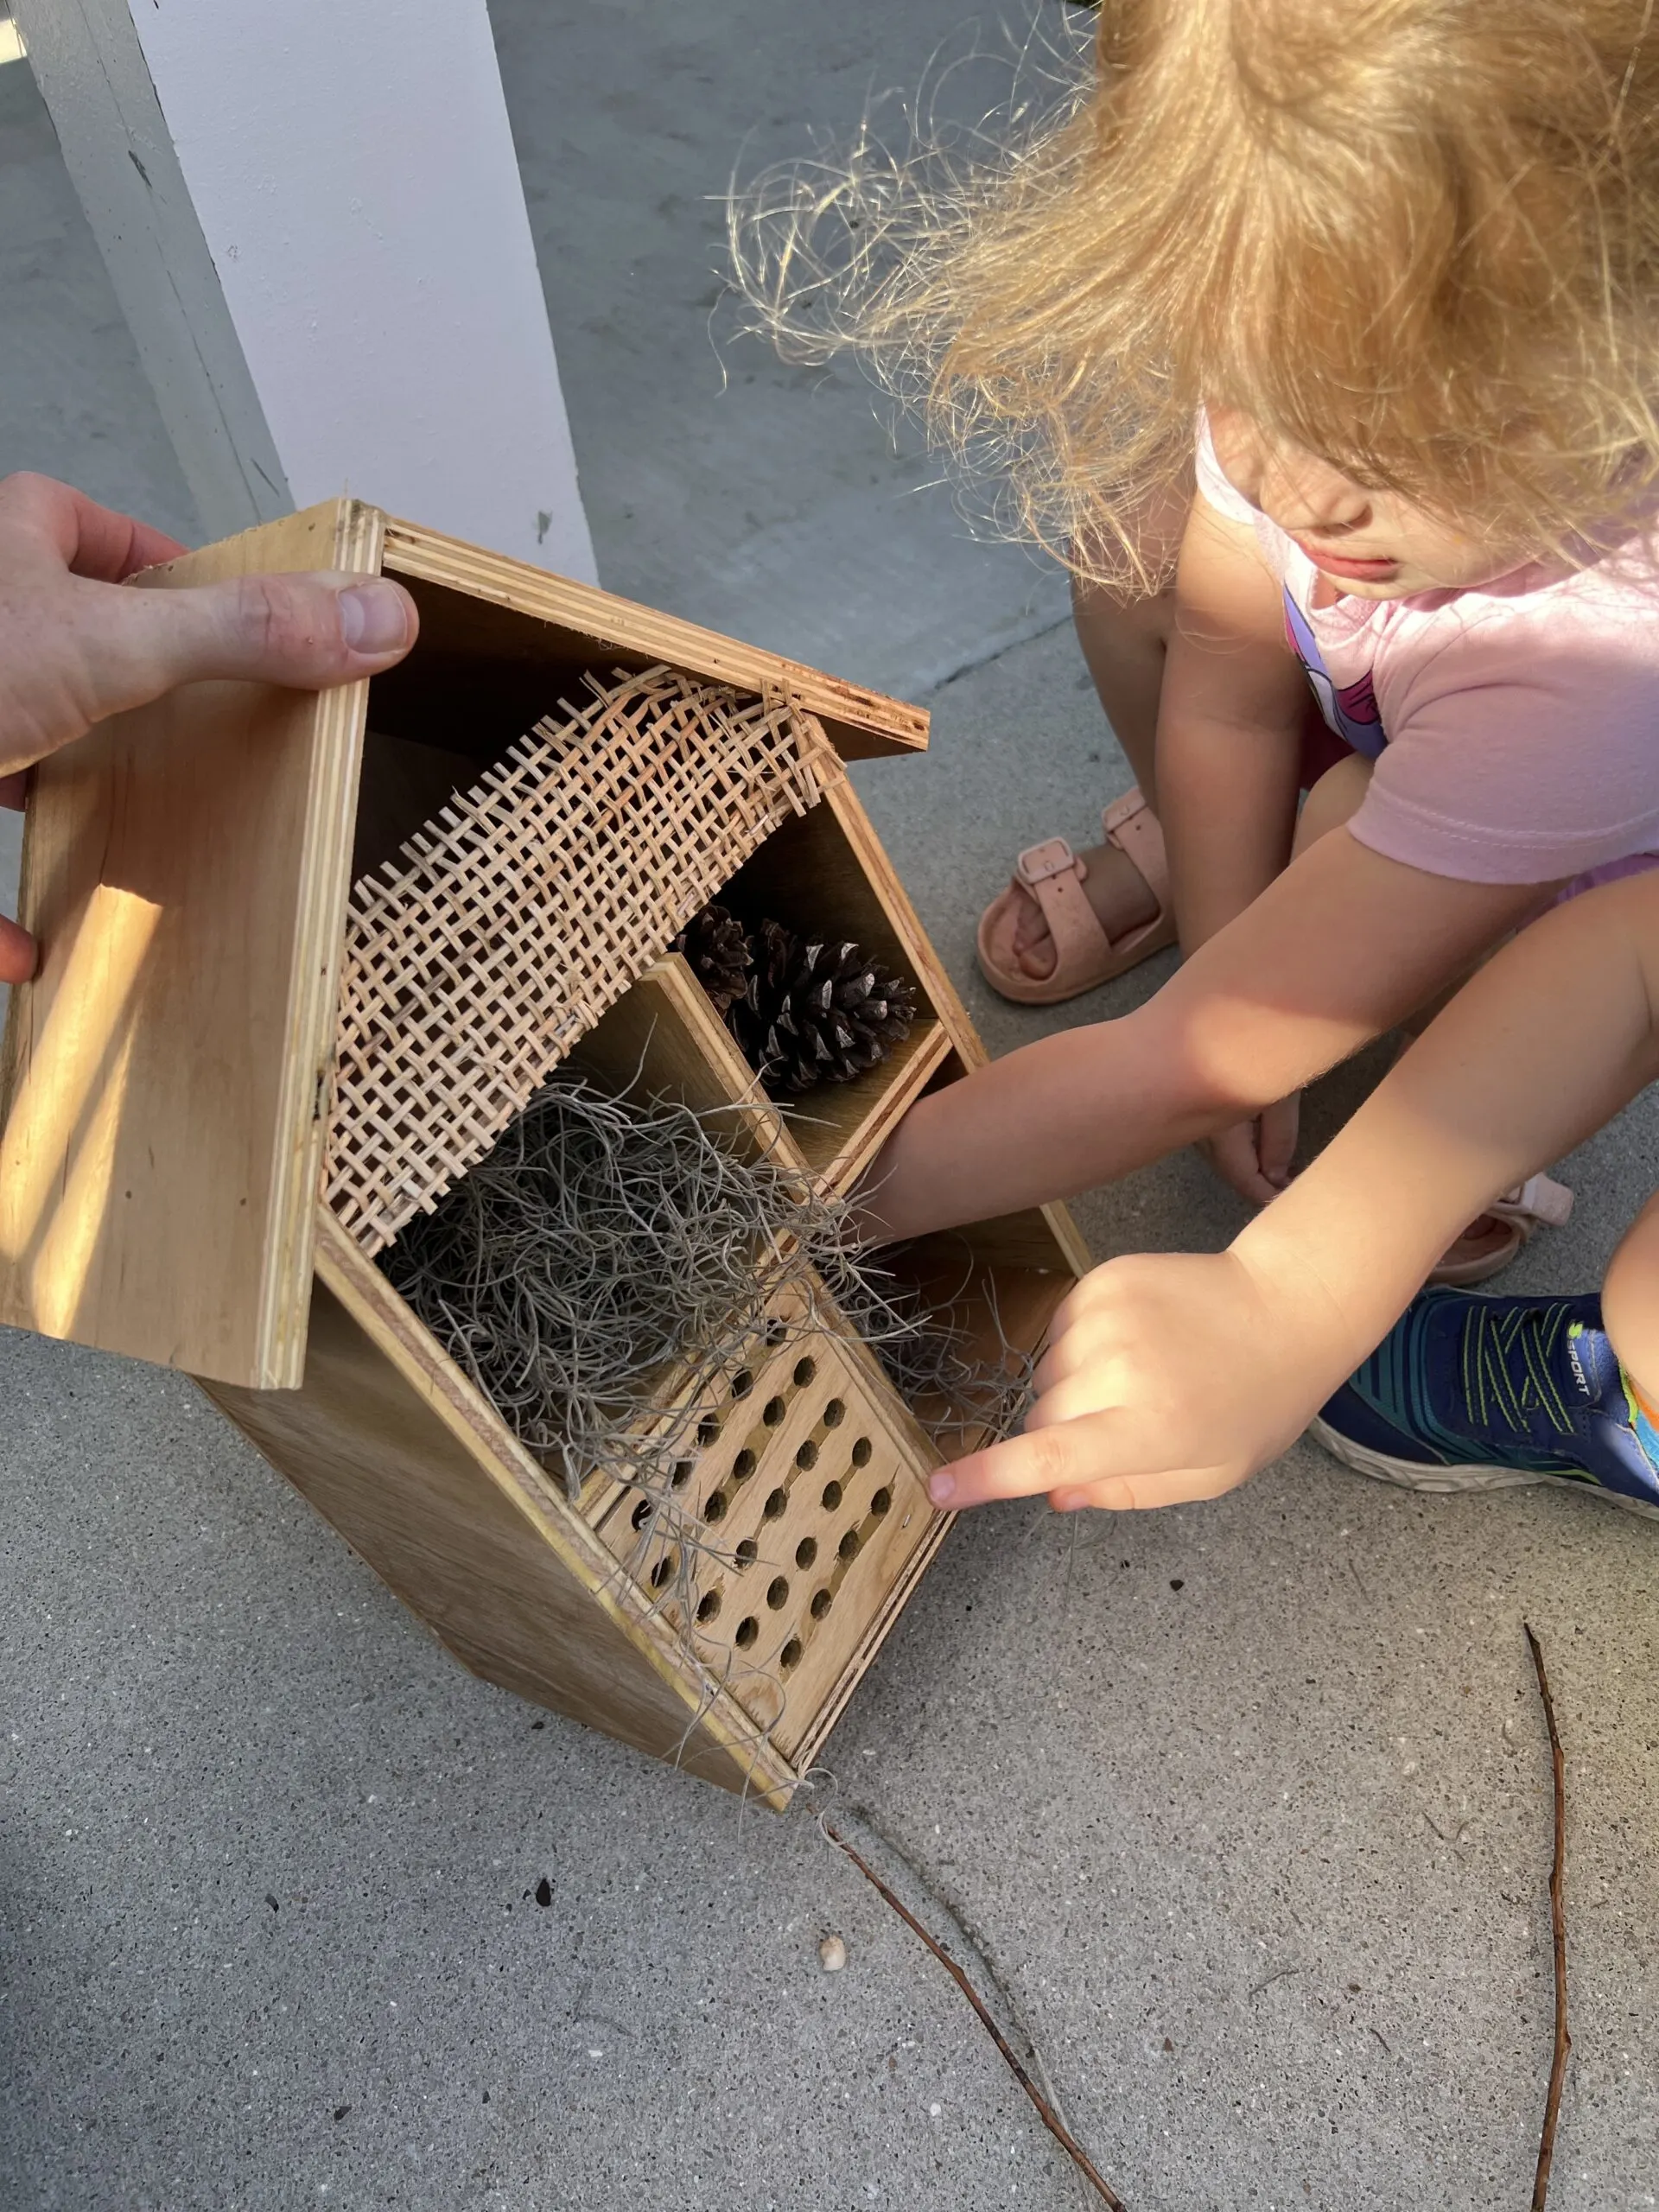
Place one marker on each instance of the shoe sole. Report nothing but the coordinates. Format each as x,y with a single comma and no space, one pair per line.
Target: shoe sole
1451,1482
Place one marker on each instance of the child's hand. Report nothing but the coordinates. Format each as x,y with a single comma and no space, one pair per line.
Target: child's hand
1170,1377
1253,1158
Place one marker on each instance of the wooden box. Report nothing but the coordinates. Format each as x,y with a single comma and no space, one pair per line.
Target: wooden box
222,1099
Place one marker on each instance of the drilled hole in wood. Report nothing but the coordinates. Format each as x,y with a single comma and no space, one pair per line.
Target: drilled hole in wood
849,1544
742,1382
660,1572
708,1607
716,1508
774,1412
683,1471
806,1551
778,1594
707,1431
821,1604
862,1451
776,1505
805,1371
834,1413
747,1552
641,1513
748,1630
808,1455
776,1331
831,1496
790,1656
881,1501
743,1466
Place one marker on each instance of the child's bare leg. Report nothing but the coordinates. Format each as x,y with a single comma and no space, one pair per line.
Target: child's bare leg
1630,1301
1124,640
1333,801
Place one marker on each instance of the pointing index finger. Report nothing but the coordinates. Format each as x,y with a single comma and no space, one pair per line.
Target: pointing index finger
1069,1455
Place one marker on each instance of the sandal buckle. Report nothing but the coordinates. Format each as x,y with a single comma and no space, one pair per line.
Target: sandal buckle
1041,863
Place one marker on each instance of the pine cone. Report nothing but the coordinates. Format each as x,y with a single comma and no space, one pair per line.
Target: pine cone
717,950
816,1013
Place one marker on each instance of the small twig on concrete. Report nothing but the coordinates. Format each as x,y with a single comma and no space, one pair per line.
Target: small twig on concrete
1558,1929
1045,2111
1455,1840
1268,1980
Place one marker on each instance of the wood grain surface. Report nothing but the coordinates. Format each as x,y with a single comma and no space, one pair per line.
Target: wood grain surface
164,1080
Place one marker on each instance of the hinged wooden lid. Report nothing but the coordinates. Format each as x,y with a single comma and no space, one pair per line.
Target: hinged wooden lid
165,1077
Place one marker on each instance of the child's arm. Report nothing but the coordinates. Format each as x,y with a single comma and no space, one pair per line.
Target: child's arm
1339,948
1177,1376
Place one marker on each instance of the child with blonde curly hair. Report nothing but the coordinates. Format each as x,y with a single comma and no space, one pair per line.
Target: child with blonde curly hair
1400,267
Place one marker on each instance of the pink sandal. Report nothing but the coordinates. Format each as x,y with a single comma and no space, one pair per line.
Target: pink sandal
1538,1202
1084,956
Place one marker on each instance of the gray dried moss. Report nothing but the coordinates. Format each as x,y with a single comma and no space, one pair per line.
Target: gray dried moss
608,1243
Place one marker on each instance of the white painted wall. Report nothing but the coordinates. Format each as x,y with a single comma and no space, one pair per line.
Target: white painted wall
313,215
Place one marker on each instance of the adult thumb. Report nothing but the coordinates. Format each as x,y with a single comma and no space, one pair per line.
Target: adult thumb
304,631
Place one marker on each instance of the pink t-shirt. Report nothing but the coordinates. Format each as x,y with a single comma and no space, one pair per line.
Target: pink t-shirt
1515,727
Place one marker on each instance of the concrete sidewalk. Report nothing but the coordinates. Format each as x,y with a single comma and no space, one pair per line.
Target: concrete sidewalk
1246,1806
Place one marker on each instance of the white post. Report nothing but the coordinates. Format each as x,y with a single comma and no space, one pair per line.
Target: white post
312,215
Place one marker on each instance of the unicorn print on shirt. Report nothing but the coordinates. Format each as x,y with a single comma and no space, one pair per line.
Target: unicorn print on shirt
1352,712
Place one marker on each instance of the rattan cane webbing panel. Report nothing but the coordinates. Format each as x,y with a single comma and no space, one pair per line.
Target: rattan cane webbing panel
526,909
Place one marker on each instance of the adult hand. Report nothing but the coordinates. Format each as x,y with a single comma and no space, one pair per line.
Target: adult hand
1253,1158
74,648
1170,1377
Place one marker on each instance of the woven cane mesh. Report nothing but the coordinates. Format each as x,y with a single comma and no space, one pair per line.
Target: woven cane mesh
527,908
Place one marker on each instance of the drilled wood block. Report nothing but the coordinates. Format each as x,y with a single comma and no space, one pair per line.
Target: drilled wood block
785,1537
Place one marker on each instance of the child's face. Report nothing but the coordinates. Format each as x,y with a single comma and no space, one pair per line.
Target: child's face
1371,544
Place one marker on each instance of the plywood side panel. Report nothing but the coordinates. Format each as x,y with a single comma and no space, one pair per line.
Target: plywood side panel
381,1467
712,1735
602,629
164,1081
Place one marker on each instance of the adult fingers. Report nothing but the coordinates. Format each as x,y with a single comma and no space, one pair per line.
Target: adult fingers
89,540
18,953
1233,1153
17,949
307,631
1276,1139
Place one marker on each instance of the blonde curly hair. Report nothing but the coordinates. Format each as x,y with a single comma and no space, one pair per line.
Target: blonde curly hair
1419,238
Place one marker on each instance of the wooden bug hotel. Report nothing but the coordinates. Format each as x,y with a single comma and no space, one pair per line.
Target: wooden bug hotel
305,959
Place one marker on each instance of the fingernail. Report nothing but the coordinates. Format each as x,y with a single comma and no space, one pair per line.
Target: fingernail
373,618
942,1487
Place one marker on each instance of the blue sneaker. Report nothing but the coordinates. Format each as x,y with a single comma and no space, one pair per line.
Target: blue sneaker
1471,1392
